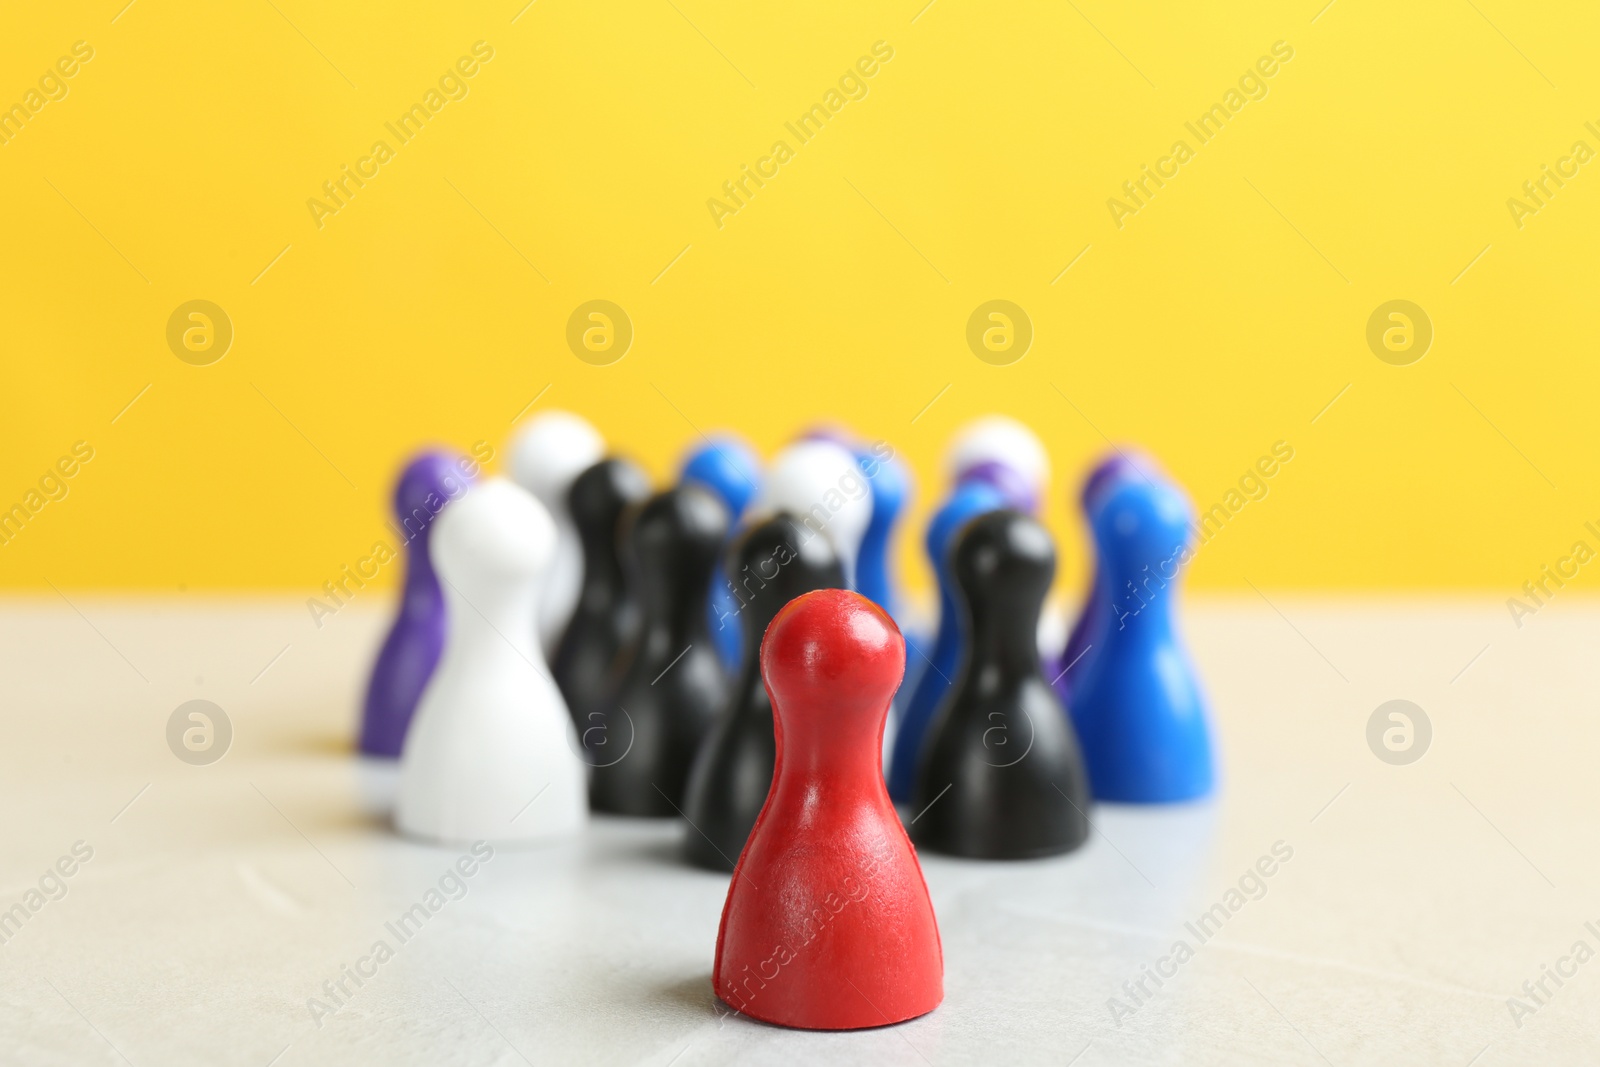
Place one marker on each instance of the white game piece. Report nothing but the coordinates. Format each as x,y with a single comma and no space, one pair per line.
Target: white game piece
820,483
546,457
999,439
491,732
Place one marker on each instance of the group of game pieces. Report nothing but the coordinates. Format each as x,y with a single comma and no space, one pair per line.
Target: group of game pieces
725,651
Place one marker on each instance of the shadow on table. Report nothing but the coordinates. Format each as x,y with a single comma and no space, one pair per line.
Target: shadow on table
657,841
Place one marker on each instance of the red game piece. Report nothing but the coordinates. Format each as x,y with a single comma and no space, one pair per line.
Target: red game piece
828,925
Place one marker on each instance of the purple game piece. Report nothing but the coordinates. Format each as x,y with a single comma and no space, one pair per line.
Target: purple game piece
411,651
1020,493
829,431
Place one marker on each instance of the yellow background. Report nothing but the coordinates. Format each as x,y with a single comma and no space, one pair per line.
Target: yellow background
1221,318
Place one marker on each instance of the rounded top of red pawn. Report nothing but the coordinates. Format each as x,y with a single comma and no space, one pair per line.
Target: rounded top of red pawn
834,651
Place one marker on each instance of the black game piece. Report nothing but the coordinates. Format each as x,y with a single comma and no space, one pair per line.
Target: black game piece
669,691
606,619
768,566
1001,775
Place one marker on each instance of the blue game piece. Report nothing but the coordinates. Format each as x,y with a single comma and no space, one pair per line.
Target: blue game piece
890,484
1084,639
969,500
730,468
1139,712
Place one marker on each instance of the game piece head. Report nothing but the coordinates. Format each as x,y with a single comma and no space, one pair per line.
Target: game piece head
1119,463
1001,439
829,431
970,500
1020,493
1143,523
600,494
495,537
832,660
772,563
552,450
887,479
677,534
1100,475
1004,561
429,481
727,466
820,483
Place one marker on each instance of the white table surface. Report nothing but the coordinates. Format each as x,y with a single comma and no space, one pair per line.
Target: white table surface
219,898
